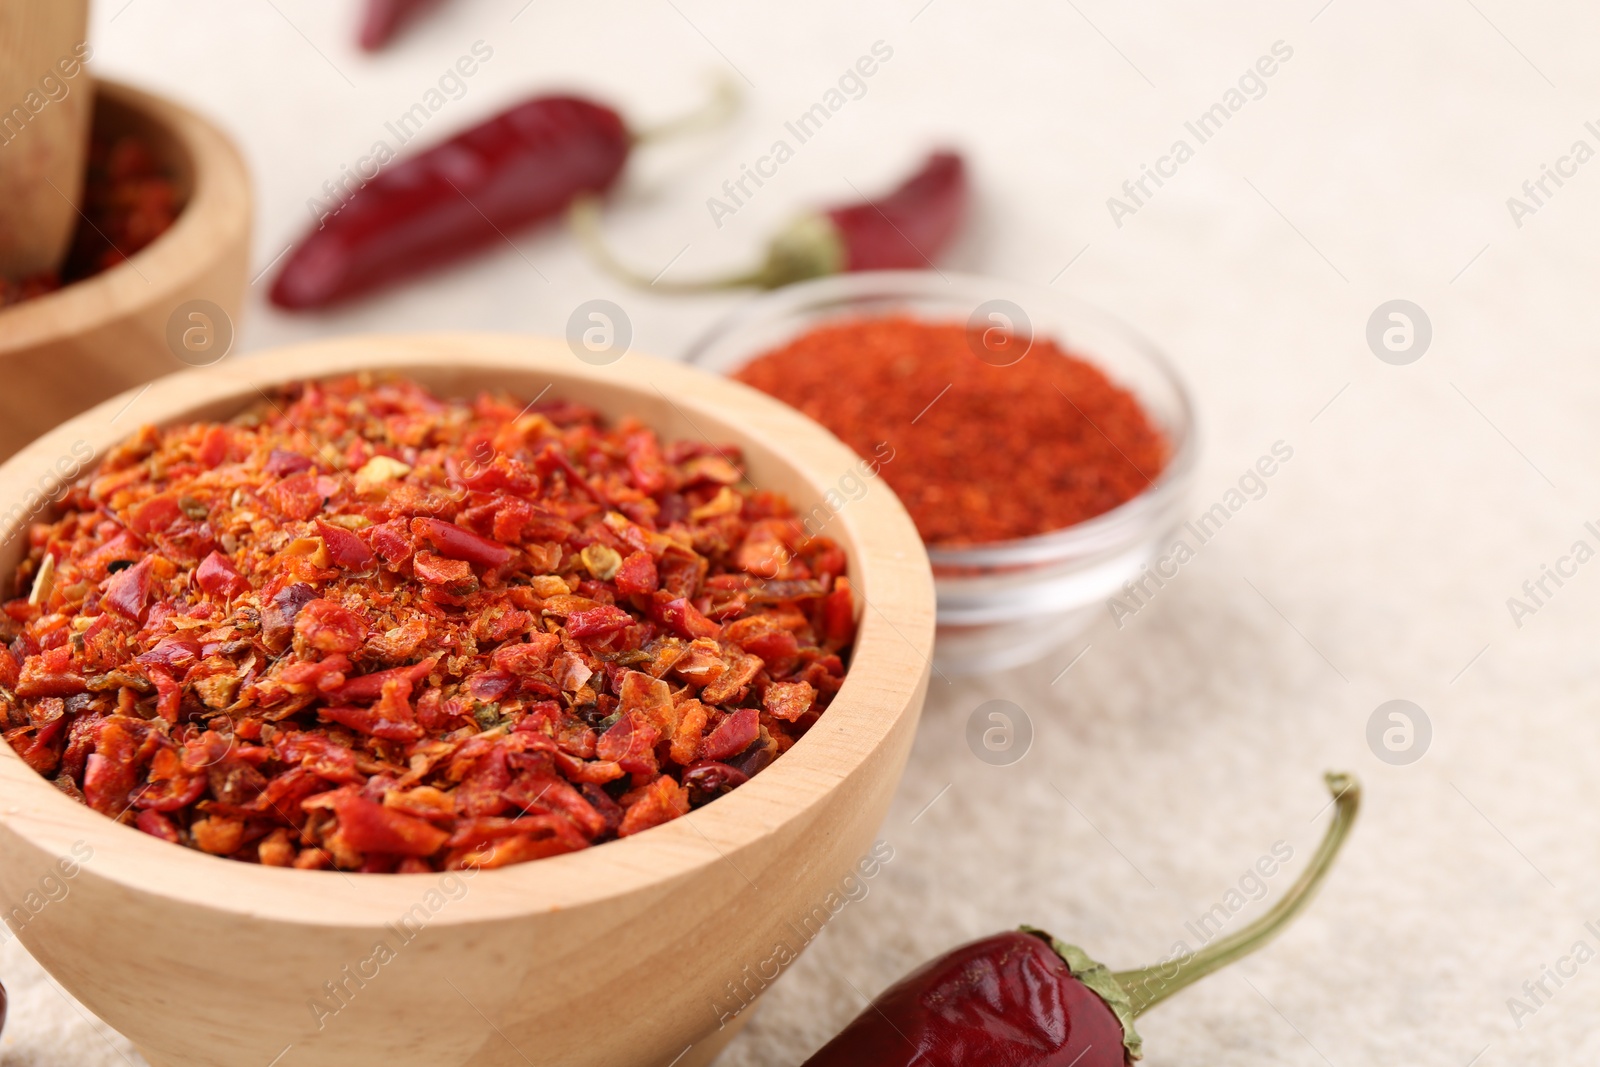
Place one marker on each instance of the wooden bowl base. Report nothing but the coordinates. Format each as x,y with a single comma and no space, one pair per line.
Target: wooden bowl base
498,1053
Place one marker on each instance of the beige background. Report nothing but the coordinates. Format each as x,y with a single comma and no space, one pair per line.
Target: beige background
1179,749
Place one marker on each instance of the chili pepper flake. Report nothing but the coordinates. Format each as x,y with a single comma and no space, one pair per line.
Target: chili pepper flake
367,628
129,200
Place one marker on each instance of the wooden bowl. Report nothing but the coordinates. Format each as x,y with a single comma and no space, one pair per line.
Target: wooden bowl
630,953
62,353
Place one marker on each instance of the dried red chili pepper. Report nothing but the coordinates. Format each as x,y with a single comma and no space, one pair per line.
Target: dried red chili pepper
907,229
382,19
1026,999
516,168
319,636
982,453
524,165
129,200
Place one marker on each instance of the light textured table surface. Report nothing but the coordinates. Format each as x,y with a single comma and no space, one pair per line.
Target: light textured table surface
1180,748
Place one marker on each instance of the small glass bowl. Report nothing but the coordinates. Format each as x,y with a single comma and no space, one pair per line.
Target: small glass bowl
1005,603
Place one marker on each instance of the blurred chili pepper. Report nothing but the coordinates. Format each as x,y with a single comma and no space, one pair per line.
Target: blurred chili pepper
519,167
384,18
1025,999
906,230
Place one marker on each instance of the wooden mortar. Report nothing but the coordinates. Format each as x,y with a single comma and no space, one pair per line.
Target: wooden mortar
46,100
68,350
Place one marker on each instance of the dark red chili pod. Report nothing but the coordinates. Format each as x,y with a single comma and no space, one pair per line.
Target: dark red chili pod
522,166
465,194
1027,1000
383,19
910,228
1007,999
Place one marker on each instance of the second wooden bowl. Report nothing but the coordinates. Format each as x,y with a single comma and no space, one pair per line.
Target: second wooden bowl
65,352
636,953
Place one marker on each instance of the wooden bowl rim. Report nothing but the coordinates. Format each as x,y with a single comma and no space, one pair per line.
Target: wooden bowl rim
886,682
218,207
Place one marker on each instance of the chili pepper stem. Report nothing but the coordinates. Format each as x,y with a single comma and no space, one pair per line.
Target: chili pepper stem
723,105
585,218
1149,986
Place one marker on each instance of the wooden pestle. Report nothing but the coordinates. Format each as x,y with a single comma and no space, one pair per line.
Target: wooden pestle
46,101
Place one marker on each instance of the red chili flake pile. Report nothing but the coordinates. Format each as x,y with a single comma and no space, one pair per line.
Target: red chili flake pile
361,627
983,453
128,201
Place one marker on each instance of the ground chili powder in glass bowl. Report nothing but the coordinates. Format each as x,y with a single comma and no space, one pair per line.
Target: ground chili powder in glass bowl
994,453
1043,449
363,627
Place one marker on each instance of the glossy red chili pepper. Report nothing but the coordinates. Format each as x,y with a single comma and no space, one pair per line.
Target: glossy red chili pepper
908,229
385,18
1024,999
523,165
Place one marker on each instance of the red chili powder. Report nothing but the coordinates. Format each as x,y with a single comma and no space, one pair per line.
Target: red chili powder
981,453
